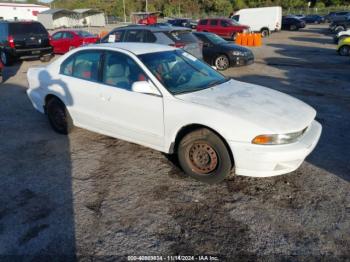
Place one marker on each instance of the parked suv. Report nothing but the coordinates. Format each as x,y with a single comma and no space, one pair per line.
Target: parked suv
23,39
166,35
292,23
337,16
224,27
341,25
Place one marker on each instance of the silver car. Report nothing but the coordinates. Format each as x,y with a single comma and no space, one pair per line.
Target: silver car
166,35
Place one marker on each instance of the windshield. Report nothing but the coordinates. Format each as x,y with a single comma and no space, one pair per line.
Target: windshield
84,34
215,39
181,72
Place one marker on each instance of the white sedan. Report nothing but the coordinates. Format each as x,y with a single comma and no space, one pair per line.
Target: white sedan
166,99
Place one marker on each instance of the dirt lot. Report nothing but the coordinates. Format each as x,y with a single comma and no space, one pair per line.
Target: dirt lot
94,197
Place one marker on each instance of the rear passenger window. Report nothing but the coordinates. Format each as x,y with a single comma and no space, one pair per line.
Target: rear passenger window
85,65
68,35
213,22
203,22
67,66
224,23
134,36
149,37
121,71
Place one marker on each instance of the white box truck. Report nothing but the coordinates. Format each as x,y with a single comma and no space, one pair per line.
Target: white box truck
264,19
14,11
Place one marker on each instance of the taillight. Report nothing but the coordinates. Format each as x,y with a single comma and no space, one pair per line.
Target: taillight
179,45
11,41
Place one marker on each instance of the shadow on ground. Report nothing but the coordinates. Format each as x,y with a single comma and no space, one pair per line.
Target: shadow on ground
36,202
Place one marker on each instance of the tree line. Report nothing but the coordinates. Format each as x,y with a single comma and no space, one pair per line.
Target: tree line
188,7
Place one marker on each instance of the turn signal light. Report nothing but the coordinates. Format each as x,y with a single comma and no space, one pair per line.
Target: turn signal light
262,140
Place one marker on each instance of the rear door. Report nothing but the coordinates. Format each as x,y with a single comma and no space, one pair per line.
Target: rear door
79,79
29,35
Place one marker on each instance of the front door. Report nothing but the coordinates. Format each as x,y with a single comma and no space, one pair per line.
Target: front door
126,114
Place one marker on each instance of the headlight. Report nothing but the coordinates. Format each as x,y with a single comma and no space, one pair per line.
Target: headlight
278,139
238,53
245,31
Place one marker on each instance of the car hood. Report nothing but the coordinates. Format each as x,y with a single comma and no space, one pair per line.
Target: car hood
231,46
271,110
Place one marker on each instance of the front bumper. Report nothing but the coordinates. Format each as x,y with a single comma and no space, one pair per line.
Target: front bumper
241,60
264,161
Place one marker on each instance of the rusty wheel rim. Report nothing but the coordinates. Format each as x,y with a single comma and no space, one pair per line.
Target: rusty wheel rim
203,159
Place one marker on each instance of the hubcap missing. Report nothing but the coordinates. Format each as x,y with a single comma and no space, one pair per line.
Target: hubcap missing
202,158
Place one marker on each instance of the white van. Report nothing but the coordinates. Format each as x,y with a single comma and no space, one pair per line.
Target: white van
264,19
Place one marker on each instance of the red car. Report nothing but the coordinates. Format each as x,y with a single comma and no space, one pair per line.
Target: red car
224,27
65,40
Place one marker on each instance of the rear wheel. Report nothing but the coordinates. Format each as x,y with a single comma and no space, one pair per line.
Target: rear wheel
59,117
292,27
204,156
222,62
5,58
344,50
265,32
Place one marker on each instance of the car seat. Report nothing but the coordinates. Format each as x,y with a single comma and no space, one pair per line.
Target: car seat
116,75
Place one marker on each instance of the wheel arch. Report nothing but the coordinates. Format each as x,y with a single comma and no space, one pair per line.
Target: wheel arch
183,131
265,28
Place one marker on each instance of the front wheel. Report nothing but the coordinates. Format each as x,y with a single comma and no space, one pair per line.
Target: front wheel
59,117
203,156
344,50
222,62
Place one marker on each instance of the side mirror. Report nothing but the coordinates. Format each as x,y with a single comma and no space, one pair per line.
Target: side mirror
144,87
205,44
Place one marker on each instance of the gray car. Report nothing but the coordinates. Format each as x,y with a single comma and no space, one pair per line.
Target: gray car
166,35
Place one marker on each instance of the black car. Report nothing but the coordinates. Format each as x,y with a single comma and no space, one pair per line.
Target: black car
341,25
292,23
23,39
313,19
183,22
223,54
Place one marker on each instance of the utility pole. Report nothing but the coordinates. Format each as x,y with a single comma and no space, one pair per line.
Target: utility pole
146,5
124,11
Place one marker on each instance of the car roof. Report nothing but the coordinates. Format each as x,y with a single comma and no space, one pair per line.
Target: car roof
153,28
135,48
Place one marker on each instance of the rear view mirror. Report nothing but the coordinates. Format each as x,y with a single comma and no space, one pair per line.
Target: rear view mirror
145,87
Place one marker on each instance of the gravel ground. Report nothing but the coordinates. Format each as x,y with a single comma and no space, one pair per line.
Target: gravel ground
91,197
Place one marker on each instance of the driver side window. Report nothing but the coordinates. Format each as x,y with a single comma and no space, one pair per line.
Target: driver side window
120,71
